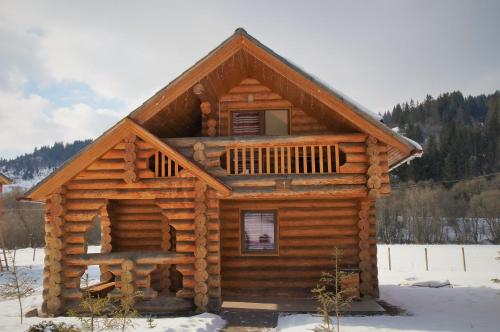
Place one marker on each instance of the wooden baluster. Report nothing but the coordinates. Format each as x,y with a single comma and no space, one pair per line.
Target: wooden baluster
243,161
252,160
321,159
157,162
176,167
268,160
289,159
236,161
304,151
337,160
297,168
282,159
228,161
162,169
260,161
169,166
276,159
313,159
329,156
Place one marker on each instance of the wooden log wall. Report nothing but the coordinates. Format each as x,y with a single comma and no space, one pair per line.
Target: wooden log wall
135,225
200,233
53,284
250,94
308,229
377,162
139,217
105,241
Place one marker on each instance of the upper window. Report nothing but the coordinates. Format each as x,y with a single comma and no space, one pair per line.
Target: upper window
259,232
268,122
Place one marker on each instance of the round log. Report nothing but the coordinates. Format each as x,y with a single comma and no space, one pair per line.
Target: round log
200,220
371,140
363,214
365,288
53,305
364,255
200,209
201,301
374,193
200,186
374,170
200,264
201,241
372,150
198,146
374,182
211,131
200,252
200,276
364,235
201,288
366,276
364,245
127,265
365,266
200,231
364,226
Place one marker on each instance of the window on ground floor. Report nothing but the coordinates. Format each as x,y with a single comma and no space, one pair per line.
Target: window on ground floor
259,232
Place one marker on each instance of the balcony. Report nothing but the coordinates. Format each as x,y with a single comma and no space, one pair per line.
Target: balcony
262,166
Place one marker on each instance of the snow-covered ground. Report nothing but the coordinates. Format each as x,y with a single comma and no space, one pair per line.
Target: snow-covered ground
9,311
472,303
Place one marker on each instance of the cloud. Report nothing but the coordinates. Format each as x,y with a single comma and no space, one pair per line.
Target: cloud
70,70
29,121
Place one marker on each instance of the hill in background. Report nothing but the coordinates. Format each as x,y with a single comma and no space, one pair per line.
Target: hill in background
460,136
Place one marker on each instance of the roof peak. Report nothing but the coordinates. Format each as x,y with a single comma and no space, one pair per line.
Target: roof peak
240,30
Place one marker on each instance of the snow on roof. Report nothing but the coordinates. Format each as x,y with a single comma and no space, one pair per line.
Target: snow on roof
355,104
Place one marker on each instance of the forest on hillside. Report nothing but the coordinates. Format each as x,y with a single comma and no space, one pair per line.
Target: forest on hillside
30,165
450,195
460,136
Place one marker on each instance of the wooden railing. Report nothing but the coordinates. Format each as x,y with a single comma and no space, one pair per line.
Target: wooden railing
163,166
280,159
275,155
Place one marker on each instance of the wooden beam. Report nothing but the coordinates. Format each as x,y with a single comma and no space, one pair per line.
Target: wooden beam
105,143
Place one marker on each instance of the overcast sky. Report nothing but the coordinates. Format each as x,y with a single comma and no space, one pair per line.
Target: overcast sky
71,69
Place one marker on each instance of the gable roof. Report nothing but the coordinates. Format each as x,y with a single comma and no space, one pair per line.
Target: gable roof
4,179
401,148
336,102
106,142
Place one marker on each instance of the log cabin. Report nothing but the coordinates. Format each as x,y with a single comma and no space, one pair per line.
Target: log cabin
236,180
4,180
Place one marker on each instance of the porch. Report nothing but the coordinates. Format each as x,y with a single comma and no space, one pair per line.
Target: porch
128,276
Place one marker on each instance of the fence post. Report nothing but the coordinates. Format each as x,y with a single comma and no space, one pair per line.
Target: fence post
463,259
389,254
426,260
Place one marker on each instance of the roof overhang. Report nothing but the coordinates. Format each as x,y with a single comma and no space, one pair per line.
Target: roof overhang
106,142
5,180
351,111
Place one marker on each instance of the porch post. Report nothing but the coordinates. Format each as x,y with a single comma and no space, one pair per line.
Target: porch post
200,254
53,284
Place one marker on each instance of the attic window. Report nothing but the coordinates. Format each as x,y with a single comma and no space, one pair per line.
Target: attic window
261,122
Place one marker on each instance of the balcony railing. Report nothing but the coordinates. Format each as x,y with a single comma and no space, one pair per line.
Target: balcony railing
273,155
280,159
